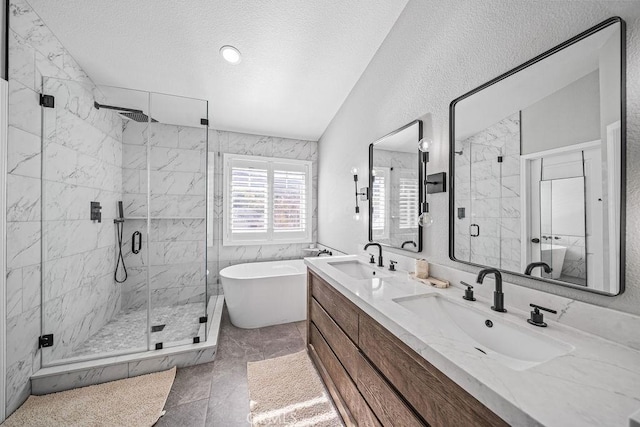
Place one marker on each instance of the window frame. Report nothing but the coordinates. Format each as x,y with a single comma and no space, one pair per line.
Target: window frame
270,237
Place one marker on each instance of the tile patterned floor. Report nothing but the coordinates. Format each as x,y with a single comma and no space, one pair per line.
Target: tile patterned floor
128,330
216,393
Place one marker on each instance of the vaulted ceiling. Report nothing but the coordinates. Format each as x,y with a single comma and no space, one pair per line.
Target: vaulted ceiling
300,59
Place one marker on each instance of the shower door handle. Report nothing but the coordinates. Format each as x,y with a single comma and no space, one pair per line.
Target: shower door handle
133,242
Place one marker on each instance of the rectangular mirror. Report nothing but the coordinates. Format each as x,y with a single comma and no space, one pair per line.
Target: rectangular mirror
395,192
538,166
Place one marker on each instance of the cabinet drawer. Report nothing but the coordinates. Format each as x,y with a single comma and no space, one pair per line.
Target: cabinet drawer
439,400
382,399
336,305
344,349
341,380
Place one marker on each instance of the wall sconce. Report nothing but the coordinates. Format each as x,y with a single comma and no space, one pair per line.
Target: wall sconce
364,192
424,218
434,183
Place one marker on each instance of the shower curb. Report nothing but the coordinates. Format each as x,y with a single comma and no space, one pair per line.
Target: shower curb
81,374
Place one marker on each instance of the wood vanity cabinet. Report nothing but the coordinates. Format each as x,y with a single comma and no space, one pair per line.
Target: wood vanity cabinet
373,377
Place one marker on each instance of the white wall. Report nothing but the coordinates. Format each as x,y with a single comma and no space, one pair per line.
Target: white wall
566,117
437,51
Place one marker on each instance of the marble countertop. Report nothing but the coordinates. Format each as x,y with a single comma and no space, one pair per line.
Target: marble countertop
597,383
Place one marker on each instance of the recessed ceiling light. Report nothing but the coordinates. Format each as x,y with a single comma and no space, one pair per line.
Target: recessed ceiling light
230,54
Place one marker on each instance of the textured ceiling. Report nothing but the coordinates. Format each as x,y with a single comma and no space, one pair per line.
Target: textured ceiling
300,58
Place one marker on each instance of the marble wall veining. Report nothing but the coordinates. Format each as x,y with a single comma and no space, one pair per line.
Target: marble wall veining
220,256
489,191
177,237
34,53
81,163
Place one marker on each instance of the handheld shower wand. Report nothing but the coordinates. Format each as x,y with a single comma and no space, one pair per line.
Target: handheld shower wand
119,222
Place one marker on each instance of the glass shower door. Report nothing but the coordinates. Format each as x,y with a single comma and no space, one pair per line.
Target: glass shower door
86,305
124,222
177,220
486,207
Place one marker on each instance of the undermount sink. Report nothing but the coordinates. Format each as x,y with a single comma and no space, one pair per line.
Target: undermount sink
514,346
358,270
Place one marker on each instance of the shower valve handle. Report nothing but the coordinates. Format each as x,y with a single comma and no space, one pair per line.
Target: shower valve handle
133,242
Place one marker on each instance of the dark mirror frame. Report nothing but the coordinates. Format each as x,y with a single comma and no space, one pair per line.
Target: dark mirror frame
623,150
421,178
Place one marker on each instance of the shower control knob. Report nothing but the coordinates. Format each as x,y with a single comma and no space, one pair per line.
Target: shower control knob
535,240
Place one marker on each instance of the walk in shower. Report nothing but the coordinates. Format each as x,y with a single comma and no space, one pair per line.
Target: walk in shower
124,221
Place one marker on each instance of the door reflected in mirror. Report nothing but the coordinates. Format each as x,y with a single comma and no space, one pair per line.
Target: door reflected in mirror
394,180
538,166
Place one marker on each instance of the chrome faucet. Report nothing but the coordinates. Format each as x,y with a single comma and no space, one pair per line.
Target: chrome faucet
498,296
533,265
380,261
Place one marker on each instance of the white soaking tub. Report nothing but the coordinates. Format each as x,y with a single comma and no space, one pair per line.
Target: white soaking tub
265,293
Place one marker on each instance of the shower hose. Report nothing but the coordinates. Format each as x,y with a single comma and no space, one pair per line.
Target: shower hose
119,231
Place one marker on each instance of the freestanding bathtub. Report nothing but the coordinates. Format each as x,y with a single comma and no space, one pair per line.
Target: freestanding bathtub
265,293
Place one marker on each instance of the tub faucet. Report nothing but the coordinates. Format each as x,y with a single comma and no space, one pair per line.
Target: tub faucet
533,265
498,296
325,252
380,261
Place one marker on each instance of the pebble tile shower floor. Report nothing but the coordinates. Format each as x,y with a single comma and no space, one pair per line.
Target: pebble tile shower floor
128,331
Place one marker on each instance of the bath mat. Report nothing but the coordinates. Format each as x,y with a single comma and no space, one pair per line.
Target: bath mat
287,391
137,401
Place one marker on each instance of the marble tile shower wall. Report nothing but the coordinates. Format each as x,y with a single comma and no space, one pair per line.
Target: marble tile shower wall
220,256
35,52
82,155
177,239
490,193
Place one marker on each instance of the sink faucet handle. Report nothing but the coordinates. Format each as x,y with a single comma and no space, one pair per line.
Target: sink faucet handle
537,318
468,293
372,260
392,265
536,307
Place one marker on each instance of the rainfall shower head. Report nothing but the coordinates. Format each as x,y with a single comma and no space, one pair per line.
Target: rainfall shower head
128,113
138,117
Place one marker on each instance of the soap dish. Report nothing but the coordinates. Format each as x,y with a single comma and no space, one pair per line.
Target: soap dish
438,283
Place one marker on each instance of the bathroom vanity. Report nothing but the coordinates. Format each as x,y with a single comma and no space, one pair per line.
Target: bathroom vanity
393,351
375,376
